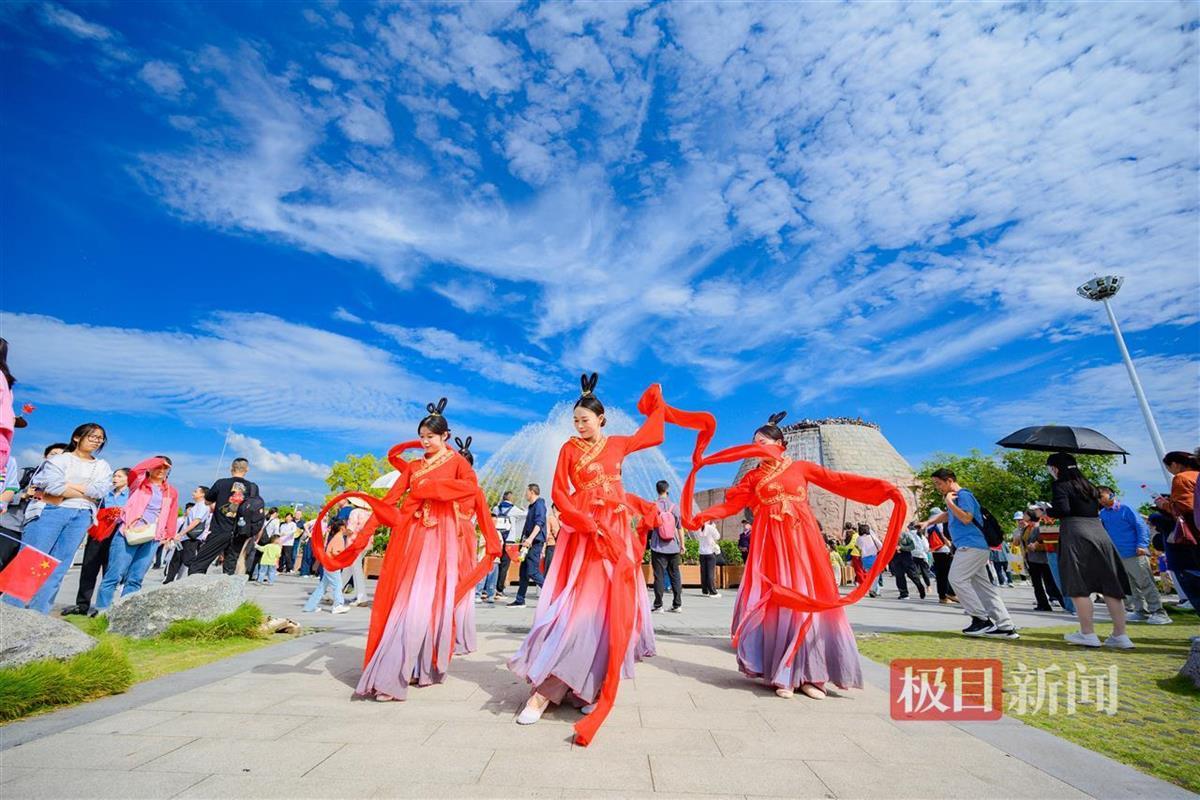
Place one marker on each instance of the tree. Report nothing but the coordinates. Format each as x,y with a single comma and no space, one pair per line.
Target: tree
356,474
1006,481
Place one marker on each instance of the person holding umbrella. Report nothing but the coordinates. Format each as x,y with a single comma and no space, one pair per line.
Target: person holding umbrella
1087,559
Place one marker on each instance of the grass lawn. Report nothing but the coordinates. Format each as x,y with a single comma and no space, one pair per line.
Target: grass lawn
119,662
1156,727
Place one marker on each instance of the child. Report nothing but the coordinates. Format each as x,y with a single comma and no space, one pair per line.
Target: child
268,564
835,561
331,579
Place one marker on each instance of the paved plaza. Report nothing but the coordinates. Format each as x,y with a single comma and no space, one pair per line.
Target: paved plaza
280,722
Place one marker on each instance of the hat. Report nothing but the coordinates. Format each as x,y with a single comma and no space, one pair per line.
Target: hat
933,512
358,502
1018,515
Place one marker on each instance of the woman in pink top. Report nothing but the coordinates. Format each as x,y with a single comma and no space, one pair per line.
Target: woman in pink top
152,503
8,420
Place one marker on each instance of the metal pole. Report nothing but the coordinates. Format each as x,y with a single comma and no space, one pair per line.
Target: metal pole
1155,437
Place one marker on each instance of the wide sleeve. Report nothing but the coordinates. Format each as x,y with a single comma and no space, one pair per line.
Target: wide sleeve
101,480
737,497
652,431
560,493
51,476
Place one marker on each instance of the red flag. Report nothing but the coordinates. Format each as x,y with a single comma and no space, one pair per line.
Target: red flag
105,524
26,573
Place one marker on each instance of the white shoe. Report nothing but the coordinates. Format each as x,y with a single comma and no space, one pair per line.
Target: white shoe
533,711
1161,618
1135,616
1122,642
1081,638
813,691
340,610
784,693
715,595
589,708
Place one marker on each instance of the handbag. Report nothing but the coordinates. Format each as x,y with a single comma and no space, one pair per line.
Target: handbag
139,534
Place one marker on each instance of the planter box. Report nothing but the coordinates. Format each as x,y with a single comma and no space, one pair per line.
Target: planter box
647,575
690,574
730,576
373,565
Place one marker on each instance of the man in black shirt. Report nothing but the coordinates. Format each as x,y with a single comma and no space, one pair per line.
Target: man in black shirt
226,529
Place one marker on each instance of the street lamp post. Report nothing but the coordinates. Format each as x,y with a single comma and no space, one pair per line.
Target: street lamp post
1101,290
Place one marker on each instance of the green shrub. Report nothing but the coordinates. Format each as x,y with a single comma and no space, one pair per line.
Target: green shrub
691,551
243,622
729,550
103,670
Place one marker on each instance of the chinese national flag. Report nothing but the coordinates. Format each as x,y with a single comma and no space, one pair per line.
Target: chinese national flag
105,524
26,573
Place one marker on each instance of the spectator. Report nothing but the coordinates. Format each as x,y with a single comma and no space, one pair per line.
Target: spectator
709,539
147,518
194,520
1183,543
8,419
744,541
998,557
502,516
22,507
95,552
968,568
922,560
1131,537
868,544
835,561
1037,563
903,566
359,515
224,538
331,580
1087,560
309,564
665,549
533,538
69,486
268,563
270,528
287,532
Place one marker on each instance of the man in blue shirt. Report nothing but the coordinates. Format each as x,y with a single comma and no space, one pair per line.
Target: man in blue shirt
532,539
968,570
1132,540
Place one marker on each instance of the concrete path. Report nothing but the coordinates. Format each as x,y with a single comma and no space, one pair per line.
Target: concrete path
280,722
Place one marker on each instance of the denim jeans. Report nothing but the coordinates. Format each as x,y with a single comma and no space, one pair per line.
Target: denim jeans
128,564
1052,559
331,580
58,532
487,586
267,573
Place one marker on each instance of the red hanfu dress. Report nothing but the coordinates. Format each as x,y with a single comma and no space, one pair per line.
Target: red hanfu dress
593,620
425,576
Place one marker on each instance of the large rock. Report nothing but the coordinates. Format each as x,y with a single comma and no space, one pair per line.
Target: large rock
204,597
29,636
1191,667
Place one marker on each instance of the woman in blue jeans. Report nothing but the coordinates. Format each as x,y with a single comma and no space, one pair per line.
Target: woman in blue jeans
147,520
70,485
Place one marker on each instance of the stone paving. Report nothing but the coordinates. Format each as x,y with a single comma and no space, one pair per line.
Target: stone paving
280,722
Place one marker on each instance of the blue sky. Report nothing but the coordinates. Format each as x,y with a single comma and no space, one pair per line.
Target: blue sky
302,222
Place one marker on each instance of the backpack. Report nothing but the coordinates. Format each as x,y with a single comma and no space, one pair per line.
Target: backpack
666,523
252,514
993,534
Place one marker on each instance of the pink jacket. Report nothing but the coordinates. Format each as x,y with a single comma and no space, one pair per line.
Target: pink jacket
8,418
139,498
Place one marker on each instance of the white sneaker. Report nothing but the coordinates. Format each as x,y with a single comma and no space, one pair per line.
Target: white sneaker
1084,639
715,595
340,610
589,708
1122,642
1161,618
533,711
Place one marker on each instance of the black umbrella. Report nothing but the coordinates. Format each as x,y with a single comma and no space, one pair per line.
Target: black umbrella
1064,439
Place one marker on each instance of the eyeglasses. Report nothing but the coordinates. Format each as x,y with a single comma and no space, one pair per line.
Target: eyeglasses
94,438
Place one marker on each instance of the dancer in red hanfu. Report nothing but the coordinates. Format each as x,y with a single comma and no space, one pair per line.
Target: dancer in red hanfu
592,620
424,577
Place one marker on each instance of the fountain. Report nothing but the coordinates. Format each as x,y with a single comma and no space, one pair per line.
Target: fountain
532,452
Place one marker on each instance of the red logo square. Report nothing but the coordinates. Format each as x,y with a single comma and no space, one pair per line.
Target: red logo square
947,689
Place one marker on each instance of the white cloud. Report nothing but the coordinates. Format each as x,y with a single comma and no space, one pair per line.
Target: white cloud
890,186
74,24
490,363
346,316
163,78
321,83
271,461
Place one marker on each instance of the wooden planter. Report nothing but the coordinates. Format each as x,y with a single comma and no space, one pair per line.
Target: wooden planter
690,574
647,575
730,576
373,565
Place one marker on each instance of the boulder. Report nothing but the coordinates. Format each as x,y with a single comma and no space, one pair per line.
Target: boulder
150,611
27,636
1191,667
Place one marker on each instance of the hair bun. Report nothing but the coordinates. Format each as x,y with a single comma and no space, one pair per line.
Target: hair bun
463,447
775,419
587,383
436,409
